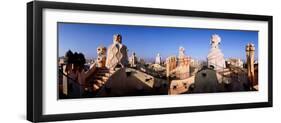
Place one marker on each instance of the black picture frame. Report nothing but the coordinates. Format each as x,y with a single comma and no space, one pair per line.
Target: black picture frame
34,60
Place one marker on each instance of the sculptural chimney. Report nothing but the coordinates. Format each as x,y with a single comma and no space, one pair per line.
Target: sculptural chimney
215,57
250,54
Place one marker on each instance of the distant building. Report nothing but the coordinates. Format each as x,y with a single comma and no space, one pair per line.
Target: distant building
133,60
158,59
235,62
194,62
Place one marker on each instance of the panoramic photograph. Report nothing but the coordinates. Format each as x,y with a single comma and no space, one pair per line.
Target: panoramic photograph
106,60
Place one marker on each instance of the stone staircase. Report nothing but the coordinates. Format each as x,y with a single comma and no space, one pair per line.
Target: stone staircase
100,78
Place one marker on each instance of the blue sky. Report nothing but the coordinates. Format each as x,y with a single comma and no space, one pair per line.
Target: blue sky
147,41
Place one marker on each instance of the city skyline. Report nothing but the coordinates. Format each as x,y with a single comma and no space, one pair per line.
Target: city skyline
147,41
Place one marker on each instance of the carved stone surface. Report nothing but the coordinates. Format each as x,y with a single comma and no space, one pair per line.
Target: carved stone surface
117,53
101,51
101,61
182,71
250,54
171,64
179,67
206,81
215,57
